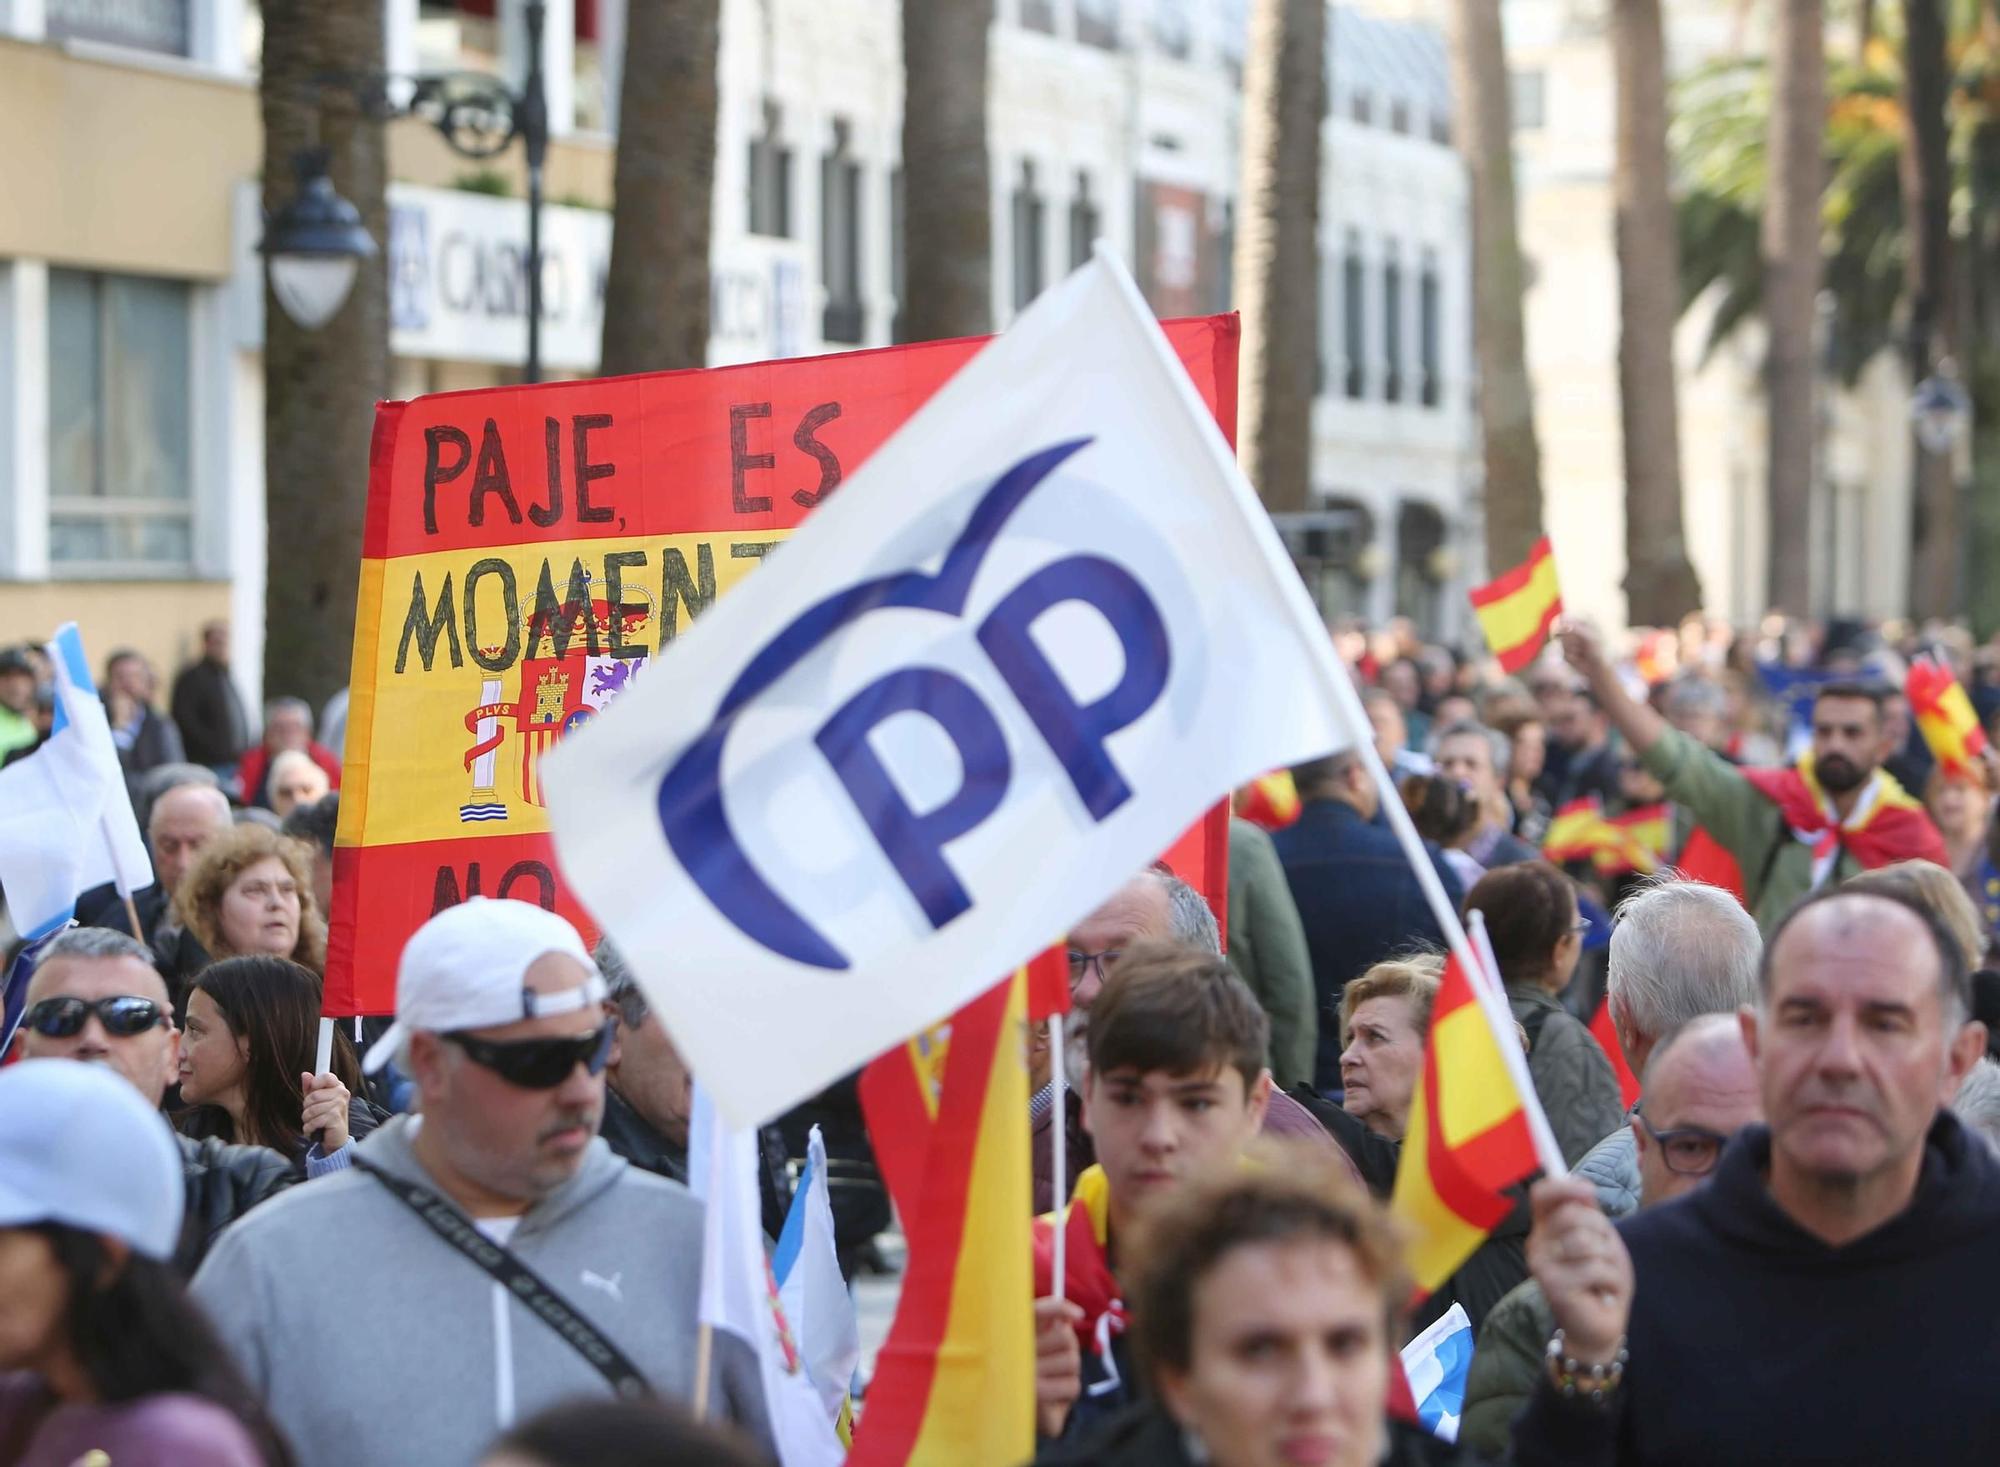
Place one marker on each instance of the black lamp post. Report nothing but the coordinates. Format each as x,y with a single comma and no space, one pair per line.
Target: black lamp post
316,241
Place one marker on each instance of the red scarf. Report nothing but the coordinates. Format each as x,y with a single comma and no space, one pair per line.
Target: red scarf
1887,825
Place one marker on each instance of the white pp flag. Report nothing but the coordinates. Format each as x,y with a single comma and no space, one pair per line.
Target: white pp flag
66,822
739,1294
1040,631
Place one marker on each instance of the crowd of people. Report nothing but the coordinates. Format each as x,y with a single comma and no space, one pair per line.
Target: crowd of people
1772,1254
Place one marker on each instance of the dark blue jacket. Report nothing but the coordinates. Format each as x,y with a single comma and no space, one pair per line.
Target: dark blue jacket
1359,901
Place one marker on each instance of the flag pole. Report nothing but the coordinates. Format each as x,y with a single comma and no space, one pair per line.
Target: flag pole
118,880
1059,1154
704,1349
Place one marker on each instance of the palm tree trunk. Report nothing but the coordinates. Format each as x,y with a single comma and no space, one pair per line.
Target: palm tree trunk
947,172
1791,253
657,287
320,387
1506,400
1660,583
1936,559
1277,246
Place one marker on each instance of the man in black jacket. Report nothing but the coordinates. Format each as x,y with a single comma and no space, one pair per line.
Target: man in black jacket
1829,1297
96,996
206,706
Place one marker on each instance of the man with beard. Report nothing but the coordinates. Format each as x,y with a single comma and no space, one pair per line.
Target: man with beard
1792,831
488,1256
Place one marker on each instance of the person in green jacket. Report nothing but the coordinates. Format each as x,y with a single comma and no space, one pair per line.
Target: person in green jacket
1267,948
1699,1090
1790,830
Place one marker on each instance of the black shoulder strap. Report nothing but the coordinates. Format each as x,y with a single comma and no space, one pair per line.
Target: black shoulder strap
1538,1015
518,1279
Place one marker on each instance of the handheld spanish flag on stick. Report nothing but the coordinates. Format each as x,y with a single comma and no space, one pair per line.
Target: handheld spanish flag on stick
1945,716
955,1383
1270,801
1517,610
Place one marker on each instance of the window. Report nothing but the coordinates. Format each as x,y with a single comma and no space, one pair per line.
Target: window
120,451
1027,234
1399,116
1039,15
1354,318
1392,327
1097,23
1361,107
1222,295
770,180
142,25
1420,543
1173,28
1528,92
840,242
1430,333
1084,224
898,270
458,37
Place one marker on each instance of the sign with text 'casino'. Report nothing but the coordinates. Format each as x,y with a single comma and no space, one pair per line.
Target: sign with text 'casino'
528,551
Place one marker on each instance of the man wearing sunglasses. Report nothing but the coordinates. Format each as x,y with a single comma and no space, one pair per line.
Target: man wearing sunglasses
96,996
1699,1090
417,1353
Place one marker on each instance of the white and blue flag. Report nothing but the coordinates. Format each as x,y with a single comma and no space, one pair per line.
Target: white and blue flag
1437,1363
1040,631
66,822
806,1265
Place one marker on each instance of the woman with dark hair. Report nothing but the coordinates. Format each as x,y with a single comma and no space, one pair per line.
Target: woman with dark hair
601,1433
1537,936
246,1066
1447,815
103,1357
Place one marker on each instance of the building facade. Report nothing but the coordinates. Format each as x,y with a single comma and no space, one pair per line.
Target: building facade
131,298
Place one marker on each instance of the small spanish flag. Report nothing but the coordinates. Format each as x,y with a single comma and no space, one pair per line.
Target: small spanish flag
1517,610
1945,716
1576,832
1637,841
1469,1137
1270,801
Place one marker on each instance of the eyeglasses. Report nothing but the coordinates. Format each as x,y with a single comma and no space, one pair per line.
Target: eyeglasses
1691,1150
539,1064
1081,962
123,1016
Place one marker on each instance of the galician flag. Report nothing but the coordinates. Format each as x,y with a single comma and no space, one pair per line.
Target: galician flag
1003,667
66,823
812,1291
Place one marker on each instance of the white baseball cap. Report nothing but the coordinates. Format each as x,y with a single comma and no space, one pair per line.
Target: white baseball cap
464,968
79,1146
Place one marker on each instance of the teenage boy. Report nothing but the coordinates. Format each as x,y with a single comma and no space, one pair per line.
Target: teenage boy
1175,1087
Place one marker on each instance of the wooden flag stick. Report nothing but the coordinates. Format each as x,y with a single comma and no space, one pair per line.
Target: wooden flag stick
704,1348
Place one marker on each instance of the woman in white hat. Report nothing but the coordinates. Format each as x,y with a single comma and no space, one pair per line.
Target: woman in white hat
103,1357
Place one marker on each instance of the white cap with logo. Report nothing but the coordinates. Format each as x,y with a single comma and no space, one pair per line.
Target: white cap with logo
464,969
80,1147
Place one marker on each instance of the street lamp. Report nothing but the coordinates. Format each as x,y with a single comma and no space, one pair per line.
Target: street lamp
315,242
1939,407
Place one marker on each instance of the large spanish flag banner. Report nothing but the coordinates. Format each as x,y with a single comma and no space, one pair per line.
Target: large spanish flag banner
528,551
1517,610
955,1383
1469,1135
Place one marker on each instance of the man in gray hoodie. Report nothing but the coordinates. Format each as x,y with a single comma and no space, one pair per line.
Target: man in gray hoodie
374,1339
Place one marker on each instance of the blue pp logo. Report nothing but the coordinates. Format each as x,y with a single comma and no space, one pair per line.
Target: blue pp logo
691,811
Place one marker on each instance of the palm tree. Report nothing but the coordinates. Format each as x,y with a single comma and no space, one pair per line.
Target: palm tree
1506,401
1936,555
947,189
320,387
656,288
1660,582
1277,246
1790,242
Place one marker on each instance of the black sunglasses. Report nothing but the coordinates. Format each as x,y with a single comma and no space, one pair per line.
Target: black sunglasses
539,1064
123,1015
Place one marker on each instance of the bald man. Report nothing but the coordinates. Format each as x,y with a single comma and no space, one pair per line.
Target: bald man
1699,1090
184,818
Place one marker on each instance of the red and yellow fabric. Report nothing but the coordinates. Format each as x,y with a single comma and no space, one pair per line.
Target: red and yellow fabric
1887,825
527,551
1637,842
1468,1138
1606,1035
1517,610
1270,802
954,1385
1704,858
1944,715
1576,832
1087,1280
